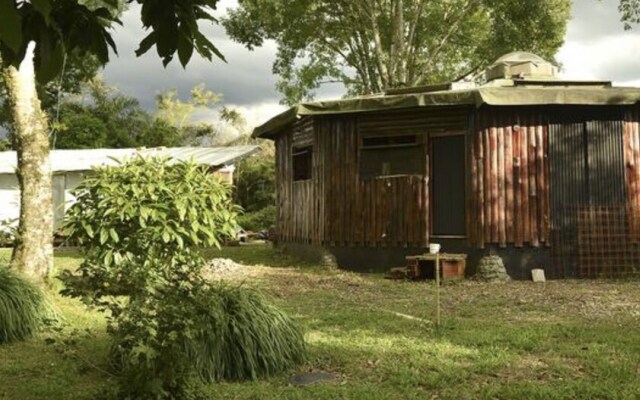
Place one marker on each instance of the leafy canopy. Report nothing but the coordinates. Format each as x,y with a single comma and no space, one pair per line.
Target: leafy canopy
373,45
60,27
629,12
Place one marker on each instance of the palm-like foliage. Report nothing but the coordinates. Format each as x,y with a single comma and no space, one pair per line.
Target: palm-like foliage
23,307
249,338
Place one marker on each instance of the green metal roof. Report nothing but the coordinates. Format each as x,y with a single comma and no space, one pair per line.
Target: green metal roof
502,93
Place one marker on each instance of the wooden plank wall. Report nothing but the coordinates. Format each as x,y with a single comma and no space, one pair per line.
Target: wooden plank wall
299,206
336,207
386,211
509,202
632,173
377,212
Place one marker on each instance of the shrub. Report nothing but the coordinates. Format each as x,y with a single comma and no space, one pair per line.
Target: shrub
23,307
248,337
258,220
141,226
213,333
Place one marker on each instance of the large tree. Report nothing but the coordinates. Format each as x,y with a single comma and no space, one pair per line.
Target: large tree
372,45
35,36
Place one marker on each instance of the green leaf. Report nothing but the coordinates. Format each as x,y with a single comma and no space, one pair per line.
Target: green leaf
108,258
146,44
49,56
87,228
44,7
185,49
114,235
104,235
10,26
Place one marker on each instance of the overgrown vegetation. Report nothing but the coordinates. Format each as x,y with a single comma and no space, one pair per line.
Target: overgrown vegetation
258,220
23,307
255,189
141,226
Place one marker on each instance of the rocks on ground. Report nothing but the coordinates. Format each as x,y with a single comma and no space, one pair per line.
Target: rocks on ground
224,268
491,269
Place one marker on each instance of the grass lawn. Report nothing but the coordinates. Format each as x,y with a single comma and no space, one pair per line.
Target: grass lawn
519,340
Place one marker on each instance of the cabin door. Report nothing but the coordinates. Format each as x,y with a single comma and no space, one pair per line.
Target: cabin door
448,198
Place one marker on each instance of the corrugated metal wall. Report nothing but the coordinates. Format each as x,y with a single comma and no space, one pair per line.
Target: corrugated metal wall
605,161
632,164
567,162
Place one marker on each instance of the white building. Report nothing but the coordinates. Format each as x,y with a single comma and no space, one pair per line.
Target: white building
69,166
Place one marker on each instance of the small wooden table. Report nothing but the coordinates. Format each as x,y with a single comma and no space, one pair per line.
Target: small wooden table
451,266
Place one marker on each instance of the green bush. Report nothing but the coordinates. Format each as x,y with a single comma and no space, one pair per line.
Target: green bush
23,307
247,339
141,226
211,333
258,220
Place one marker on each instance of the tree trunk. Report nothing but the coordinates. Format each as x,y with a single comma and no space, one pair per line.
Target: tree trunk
33,252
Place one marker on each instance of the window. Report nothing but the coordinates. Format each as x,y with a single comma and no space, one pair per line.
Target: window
302,163
391,155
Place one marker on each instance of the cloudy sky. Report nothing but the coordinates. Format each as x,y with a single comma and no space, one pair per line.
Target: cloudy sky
596,47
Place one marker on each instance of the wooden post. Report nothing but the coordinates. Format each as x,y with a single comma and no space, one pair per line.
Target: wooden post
437,272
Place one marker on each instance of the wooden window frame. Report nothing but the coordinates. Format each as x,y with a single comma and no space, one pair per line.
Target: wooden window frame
298,152
418,143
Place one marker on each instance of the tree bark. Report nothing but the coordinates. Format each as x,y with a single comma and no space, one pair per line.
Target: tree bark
33,252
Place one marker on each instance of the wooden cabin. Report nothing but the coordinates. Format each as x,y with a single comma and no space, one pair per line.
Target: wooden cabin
542,172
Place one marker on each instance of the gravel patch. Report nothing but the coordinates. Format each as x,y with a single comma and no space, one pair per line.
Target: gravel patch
224,268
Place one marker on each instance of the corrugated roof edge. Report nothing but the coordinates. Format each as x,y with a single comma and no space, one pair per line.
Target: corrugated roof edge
496,96
81,160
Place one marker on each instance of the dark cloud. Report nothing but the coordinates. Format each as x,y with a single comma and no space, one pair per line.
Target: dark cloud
246,78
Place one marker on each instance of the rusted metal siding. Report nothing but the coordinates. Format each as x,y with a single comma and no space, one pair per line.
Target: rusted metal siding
510,178
605,161
567,163
632,170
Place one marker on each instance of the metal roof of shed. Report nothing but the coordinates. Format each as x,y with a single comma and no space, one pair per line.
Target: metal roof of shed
84,160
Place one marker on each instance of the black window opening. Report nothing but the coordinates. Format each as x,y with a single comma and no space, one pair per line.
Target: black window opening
391,155
302,162
448,185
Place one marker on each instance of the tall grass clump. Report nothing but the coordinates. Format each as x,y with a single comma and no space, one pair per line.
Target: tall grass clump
23,307
248,338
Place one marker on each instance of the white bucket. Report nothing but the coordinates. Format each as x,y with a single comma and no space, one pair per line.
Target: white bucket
434,248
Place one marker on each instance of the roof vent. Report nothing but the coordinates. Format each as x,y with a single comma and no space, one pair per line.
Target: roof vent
521,65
